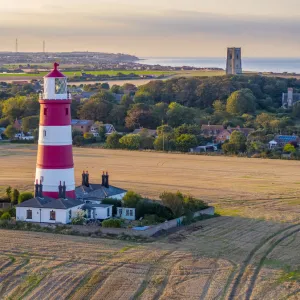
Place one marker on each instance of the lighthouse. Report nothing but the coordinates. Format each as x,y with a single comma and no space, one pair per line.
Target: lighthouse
55,167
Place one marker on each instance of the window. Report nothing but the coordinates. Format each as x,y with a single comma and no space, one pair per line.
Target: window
70,214
29,214
120,211
108,213
127,212
89,213
131,213
60,86
44,133
52,215
45,111
67,111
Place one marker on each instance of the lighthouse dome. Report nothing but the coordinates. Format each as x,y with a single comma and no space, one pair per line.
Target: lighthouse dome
55,85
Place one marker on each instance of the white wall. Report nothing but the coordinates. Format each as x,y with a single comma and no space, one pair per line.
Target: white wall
42,215
119,196
101,213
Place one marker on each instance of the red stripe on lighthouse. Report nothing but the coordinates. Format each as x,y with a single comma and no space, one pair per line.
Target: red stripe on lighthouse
55,114
69,194
55,157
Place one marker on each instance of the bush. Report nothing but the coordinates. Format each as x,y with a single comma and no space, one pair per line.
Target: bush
146,207
192,204
116,203
5,216
112,223
80,218
174,201
151,220
24,197
131,141
131,199
113,141
88,136
14,196
78,140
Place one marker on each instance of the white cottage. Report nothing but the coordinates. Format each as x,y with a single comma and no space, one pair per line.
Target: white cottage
48,210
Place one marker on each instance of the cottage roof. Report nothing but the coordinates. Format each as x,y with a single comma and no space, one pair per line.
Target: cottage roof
91,205
149,132
97,191
212,127
47,202
286,138
76,122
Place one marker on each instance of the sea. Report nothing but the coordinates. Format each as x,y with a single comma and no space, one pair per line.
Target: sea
275,65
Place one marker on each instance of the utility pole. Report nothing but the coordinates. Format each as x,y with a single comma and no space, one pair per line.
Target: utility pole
44,46
16,45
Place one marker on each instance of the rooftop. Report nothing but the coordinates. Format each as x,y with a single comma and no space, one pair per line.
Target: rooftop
97,191
47,202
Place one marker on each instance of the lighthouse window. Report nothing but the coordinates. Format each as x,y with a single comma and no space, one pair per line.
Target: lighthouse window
67,111
52,215
60,86
45,111
44,133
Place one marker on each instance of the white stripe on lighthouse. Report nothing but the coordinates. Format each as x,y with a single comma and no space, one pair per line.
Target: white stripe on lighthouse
55,135
51,179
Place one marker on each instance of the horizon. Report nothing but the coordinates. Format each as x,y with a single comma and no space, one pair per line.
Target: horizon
189,29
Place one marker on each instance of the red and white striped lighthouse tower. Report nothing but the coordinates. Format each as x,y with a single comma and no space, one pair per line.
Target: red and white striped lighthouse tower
55,158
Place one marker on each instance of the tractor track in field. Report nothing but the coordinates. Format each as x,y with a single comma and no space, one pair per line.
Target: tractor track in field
247,262
261,263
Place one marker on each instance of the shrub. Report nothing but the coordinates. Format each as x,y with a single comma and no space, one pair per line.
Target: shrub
14,196
192,204
79,219
174,201
146,207
131,199
151,220
113,141
78,140
112,223
88,136
116,203
131,141
24,197
5,216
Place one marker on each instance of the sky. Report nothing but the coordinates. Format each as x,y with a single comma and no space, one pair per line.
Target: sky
156,28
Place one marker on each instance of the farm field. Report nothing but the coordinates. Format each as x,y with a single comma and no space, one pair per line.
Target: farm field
254,188
251,252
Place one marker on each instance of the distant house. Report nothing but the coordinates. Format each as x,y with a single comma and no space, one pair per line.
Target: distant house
148,132
226,133
282,140
109,129
211,130
290,98
83,126
126,213
18,124
207,148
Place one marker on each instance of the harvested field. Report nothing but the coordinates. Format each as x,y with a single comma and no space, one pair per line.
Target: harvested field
252,253
225,258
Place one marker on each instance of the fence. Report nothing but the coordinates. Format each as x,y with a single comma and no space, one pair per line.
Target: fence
5,205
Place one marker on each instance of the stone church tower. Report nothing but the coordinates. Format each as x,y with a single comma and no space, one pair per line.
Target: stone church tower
234,61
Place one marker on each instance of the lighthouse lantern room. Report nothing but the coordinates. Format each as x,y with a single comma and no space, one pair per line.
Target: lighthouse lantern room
55,158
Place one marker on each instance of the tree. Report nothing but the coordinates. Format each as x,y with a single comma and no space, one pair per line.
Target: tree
131,199
178,115
10,131
187,129
126,101
24,197
140,115
113,141
131,141
116,89
174,201
98,107
218,105
14,196
30,123
164,129
143,97
288,148
186,141
296,110
78,140
240,102
264,120
8,192
165,142
237,143
105,86
117,115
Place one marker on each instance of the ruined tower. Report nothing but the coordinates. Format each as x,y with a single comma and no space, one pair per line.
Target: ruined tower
234,61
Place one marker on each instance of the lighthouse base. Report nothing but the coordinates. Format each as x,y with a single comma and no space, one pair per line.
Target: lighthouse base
55,195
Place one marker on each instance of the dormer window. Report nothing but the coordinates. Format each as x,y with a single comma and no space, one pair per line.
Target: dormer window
60,86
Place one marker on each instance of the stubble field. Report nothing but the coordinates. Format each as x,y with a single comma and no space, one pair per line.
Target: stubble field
252,252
